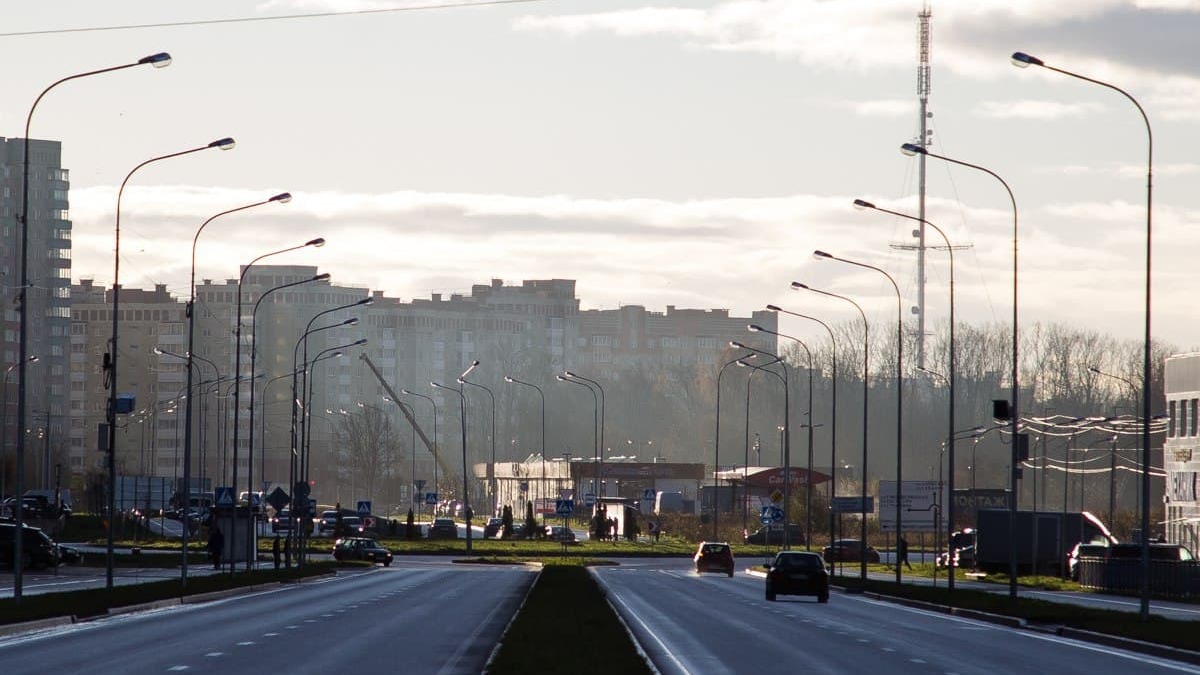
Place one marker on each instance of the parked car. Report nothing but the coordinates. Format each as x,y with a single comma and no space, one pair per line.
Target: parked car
38,551
848,550
69,555
714,557
560,533
1082,550
361,548
797,573
443,528
352,525
760,536
962,547
1158,551
327,522
493,528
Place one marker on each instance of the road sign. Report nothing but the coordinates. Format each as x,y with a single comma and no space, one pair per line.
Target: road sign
278,499
589,499
223,497
917,500
419,484
764,516
566,493
430,498
255,501
524,485
853,504
364,508
564,507
776,497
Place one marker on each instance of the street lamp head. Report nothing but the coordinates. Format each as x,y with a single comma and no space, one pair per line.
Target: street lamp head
796,286
158,351
223,143
737,345
159,60
507,378
560,378
821,254
1023,60
359,342
911,149
352,321
774,308
283,198
324,276
755,328
1094,369
317,243
461,381
569,373
406,392
33,358
861,204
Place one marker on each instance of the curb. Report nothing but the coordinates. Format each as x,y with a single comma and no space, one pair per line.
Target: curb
1010,621
145,606
1162,651
504,634
40,624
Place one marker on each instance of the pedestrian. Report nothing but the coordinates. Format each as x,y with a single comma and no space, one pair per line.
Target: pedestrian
216,545
657,530
902,553
275,550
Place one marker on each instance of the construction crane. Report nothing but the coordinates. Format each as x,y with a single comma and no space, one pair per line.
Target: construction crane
431,446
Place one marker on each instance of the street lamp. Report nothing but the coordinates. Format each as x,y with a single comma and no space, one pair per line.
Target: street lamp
1023,60
796,285
749,379
717,441
435,434
600,447
833,416
755,328
237,359
863,204
111,365
595,428
821,255
787,445
160,60
492,468
462,399
542,396
1018,443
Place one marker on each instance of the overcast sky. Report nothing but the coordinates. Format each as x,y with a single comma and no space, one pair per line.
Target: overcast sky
691,153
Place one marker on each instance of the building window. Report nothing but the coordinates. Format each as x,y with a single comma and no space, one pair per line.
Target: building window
1195,405
1171,419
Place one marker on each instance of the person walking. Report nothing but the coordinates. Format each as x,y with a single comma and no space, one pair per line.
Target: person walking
275,550
902,552
216,545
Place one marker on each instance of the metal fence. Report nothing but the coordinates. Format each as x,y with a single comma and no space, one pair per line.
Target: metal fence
1168,579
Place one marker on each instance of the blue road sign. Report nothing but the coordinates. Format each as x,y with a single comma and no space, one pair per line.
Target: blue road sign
649,494
764,516
524,486
223,497
776,514
564,507
589,499
364,508
431,498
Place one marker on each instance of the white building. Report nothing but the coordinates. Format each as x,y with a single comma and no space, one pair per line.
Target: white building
1181,452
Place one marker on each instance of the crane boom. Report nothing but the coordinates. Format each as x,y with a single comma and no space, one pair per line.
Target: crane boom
429,445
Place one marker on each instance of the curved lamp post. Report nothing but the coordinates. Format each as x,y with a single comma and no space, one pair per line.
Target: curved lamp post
111,366
1023,60
237,389
542,397
462,399
820,255
787,442
863,204
595,429
717,441
492,469
160,60
600,448
1017,441
755,328
744,363
435,436
833,416
4,419
796,285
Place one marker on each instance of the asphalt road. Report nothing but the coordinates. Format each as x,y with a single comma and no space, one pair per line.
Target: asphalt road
416,617
713,625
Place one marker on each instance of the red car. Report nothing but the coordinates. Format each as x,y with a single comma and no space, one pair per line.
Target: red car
714,557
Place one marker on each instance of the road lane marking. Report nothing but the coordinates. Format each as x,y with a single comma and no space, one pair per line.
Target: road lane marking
245,644
270,634
211,654
178,668
917,660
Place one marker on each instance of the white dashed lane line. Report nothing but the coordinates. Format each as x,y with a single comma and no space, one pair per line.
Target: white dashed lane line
215,654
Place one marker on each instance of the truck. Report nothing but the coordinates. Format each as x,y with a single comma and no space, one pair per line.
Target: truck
1042,539
668,502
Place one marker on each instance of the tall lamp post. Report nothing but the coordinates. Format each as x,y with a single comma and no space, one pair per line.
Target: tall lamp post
1022,60
833,415
435,434
600,447
744,363
160,60
796,285
787,443
820,255
717,441
492,468
1019,445
755,328
236,389
595,429
863,204
462,399
111,367
542,397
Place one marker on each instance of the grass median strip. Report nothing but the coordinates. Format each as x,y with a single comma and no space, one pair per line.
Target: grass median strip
567,626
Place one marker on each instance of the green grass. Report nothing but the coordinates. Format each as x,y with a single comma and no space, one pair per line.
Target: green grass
97,601
567,627
1158,630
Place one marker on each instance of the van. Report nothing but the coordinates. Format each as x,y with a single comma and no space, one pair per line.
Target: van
1164,552
37,550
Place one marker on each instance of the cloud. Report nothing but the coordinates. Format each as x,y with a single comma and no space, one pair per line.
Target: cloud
1034,110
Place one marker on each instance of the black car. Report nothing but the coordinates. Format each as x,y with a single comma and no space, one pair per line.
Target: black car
797,573
37,550
443,528
493,527
361,548
760,536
